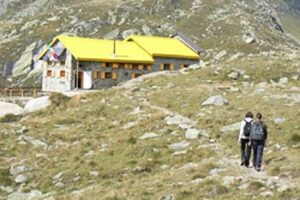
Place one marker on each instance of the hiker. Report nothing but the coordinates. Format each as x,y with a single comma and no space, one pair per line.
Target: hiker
244,139
258,139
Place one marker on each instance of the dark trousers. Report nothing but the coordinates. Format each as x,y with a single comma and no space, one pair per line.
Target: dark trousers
245,151
258,149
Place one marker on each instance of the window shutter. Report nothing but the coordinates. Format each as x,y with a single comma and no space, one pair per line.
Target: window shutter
132,75
115,65
103,64
130,66
141,67
95,74
149,67
172,67
126,66
102,75
114,76
161,66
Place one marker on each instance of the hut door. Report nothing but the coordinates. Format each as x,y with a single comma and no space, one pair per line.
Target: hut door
79,80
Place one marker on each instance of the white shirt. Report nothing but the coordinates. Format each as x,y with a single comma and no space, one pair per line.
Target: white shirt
243,123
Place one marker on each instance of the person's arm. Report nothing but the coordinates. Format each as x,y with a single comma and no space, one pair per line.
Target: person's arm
241,131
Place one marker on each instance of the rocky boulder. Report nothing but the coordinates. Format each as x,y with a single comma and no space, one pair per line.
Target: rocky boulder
217,100
23,65
37,104
9,108
32,195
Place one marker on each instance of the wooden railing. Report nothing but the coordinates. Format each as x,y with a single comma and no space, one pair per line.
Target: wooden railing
19,92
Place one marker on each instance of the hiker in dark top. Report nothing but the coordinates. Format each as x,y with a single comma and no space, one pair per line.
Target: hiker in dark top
258,138
244,138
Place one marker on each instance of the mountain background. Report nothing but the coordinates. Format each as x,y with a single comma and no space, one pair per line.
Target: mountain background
166,135
27,26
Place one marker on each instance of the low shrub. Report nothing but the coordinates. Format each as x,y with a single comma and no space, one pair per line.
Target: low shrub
59,99
10,118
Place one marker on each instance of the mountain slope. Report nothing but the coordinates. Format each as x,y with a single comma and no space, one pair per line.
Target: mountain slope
213,25
137,141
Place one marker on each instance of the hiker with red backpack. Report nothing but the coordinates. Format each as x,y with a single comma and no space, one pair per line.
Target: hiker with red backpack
244,139
258,139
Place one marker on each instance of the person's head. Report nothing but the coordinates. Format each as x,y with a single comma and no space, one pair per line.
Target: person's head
249,115
259,116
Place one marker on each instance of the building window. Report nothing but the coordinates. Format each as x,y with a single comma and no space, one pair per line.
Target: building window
121,66
135,75
167,67
115,65
96,75
149,67
62,73
184,66
109,75
106,65
135,67
49,73
63,63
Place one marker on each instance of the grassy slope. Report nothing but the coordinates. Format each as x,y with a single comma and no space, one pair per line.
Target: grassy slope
86,135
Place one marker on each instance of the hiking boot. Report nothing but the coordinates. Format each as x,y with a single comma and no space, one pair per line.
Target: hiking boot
242,163
258,169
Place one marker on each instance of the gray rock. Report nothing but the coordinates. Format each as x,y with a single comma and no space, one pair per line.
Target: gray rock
195,66
146,30
180,145
267,194
129,32
6,189
9,108
21,179
177,120
94,173
167,197
231,127
234,75
295,98
22,131
53,19
217,100
296,77
279,120
283,81
32,195
14,170
35,142
220,55
58,176
193,134
249,38
37,104
129,125
60,185
114,34
179,153
29,25
23,65
149,135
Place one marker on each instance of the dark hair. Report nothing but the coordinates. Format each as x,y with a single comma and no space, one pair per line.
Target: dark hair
249,114
259,116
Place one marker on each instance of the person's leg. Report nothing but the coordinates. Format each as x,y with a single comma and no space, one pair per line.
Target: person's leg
248,153
254,145
243,145
260,150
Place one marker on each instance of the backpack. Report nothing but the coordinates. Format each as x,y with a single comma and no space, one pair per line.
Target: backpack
247,128
257,132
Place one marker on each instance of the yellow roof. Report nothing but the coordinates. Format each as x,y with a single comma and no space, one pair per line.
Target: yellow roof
87,49
164,47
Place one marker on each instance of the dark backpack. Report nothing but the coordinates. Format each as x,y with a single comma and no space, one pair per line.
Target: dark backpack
247,128
257,132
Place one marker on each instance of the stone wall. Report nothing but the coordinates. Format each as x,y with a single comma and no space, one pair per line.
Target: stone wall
55,83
